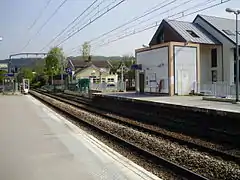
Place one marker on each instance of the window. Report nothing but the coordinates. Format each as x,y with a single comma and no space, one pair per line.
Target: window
110,79
193,34
214,57
228,32
214,76
96,80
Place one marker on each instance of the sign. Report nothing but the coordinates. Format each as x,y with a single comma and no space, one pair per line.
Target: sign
136,66
68,70
9,75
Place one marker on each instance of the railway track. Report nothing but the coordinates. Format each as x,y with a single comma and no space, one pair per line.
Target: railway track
177,169
85,104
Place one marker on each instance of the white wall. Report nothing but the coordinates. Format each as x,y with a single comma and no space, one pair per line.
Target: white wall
205,64
91,71
228,61
185,73
155,66
110,77
228,57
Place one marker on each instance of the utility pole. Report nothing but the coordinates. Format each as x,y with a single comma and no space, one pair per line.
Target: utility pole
237,60
236,12
52,75
61,70
122,73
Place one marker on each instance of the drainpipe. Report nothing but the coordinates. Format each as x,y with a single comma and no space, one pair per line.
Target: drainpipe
222,65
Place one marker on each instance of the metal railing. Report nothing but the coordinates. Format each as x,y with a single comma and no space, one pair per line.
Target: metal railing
217,89
108,87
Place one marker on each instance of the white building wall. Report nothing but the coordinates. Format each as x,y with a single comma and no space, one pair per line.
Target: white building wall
228,57
155,67
206,66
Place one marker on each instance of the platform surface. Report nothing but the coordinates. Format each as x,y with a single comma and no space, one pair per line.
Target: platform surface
38,144
190,101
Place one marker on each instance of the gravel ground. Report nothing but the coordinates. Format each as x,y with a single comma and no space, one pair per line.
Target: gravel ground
218,147
198,162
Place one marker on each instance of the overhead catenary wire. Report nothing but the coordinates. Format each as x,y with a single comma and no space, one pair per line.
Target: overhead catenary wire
45,23
146,13
94,2
151,10
40,15
68,33
108,10
146,20
153,25
175,7
72,29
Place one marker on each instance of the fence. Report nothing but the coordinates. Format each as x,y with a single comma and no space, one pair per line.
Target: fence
218,89
8,85
104,87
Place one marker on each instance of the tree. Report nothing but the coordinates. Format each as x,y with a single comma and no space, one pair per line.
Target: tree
86,51
25,73
2,72
128,61
115,65
40,78
54,61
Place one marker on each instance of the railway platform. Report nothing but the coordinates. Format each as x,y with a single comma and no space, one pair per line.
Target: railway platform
37,143
190,102
212,121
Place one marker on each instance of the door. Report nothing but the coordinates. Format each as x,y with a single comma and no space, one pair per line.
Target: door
185,64
183,84
141,82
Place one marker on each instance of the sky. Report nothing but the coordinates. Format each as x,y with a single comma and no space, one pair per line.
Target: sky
17,16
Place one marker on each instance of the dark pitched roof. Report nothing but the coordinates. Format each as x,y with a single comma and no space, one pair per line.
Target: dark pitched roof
93,66
184,30
227,27
83,64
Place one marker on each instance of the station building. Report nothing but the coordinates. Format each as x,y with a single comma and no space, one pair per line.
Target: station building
188,57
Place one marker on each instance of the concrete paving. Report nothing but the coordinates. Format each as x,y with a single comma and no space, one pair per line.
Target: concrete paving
191,101
38,144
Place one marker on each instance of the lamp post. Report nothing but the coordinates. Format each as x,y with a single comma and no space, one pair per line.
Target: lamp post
236,12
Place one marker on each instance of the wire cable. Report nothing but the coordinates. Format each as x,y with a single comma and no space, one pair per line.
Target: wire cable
108,10
146,20
147,12
134,19
72,29
69,24
39,30
157,24
40,15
